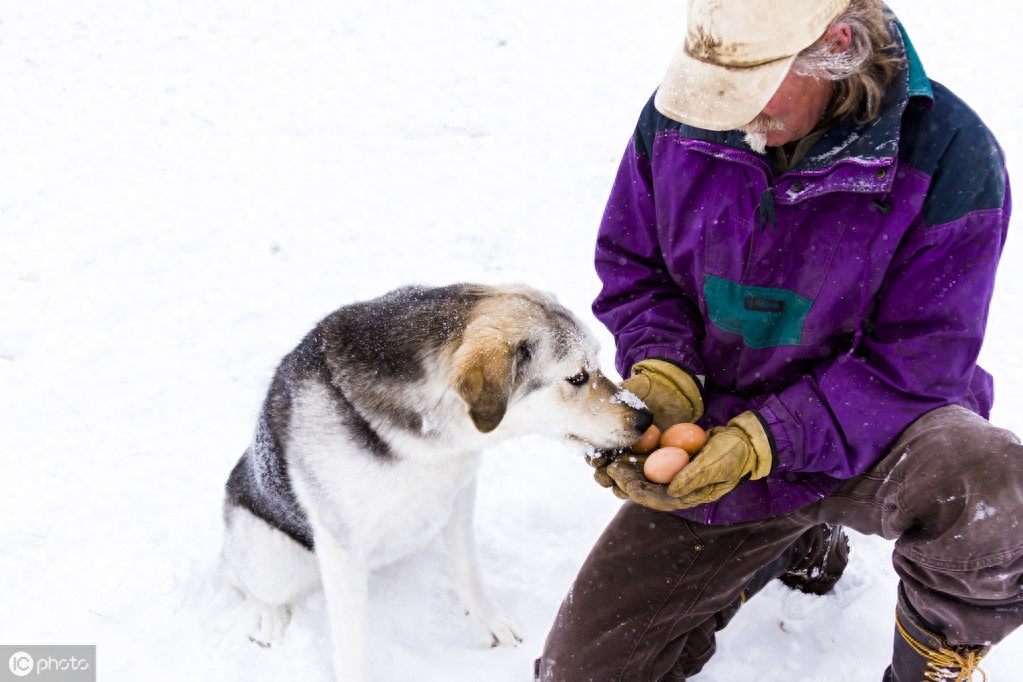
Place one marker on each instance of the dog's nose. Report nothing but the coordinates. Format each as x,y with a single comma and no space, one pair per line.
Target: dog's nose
644,418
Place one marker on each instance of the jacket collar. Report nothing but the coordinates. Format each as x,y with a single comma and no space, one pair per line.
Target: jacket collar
875,143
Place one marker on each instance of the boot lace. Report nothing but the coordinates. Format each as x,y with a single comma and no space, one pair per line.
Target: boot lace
947,665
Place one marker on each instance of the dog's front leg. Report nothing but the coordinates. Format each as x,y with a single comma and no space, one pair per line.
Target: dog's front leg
345,587
489,625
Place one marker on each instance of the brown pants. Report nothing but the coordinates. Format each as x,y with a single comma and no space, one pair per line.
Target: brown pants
949,493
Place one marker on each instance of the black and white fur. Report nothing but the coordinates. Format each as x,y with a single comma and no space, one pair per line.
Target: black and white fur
369,441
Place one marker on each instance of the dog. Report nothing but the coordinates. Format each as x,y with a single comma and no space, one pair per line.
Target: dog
369,439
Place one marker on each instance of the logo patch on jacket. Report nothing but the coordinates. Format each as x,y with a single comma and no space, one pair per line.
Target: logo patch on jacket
765,317
767,305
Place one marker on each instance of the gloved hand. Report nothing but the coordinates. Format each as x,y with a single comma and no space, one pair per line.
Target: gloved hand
732,453
670,393
628,482
600,461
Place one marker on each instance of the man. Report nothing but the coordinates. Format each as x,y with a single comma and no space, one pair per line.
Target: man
800,250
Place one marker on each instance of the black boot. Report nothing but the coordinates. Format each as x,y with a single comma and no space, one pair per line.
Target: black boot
818,559
812,564
921,655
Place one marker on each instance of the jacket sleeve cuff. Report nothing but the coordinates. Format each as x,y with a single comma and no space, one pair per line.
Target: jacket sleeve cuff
777,432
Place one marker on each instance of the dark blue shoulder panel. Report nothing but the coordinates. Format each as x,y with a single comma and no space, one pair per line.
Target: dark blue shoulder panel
950,143
650,123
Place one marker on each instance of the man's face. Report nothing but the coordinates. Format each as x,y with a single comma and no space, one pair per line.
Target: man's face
793,112
800,102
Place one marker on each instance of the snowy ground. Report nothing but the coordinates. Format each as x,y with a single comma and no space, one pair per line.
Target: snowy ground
187,186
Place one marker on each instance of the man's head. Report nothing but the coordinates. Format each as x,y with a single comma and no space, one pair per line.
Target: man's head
776,68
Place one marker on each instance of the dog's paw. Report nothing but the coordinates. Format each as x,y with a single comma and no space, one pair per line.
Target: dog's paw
269,626
493,628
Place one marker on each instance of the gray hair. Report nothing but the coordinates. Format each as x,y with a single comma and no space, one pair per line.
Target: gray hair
863,71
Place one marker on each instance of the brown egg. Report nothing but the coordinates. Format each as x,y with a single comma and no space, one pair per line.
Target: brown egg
648,441
689,437
663,463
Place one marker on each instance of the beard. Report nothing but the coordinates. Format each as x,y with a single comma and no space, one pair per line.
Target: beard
756,131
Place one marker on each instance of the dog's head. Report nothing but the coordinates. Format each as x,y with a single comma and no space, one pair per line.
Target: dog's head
526,364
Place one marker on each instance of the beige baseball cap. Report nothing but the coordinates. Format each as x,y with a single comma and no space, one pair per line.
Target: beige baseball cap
735,56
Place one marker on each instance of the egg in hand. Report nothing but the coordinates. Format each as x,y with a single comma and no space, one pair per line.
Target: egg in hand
677,444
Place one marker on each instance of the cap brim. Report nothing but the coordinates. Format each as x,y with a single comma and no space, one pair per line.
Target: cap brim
714,97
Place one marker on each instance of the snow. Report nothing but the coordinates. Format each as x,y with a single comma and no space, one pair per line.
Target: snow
629,398
188,186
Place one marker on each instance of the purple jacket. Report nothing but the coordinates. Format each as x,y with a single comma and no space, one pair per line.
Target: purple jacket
840,301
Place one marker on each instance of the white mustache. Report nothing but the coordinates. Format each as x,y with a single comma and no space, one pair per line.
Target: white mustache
757,129
763,124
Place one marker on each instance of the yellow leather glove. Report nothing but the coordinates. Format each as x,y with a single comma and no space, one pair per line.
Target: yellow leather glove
732,452
670,393
628,482
599,461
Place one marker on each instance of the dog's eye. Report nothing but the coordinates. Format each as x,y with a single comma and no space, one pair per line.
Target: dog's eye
523,352
579,379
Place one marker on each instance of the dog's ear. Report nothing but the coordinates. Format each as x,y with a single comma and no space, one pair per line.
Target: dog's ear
483,378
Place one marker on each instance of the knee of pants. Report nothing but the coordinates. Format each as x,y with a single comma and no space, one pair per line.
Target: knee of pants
965,483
